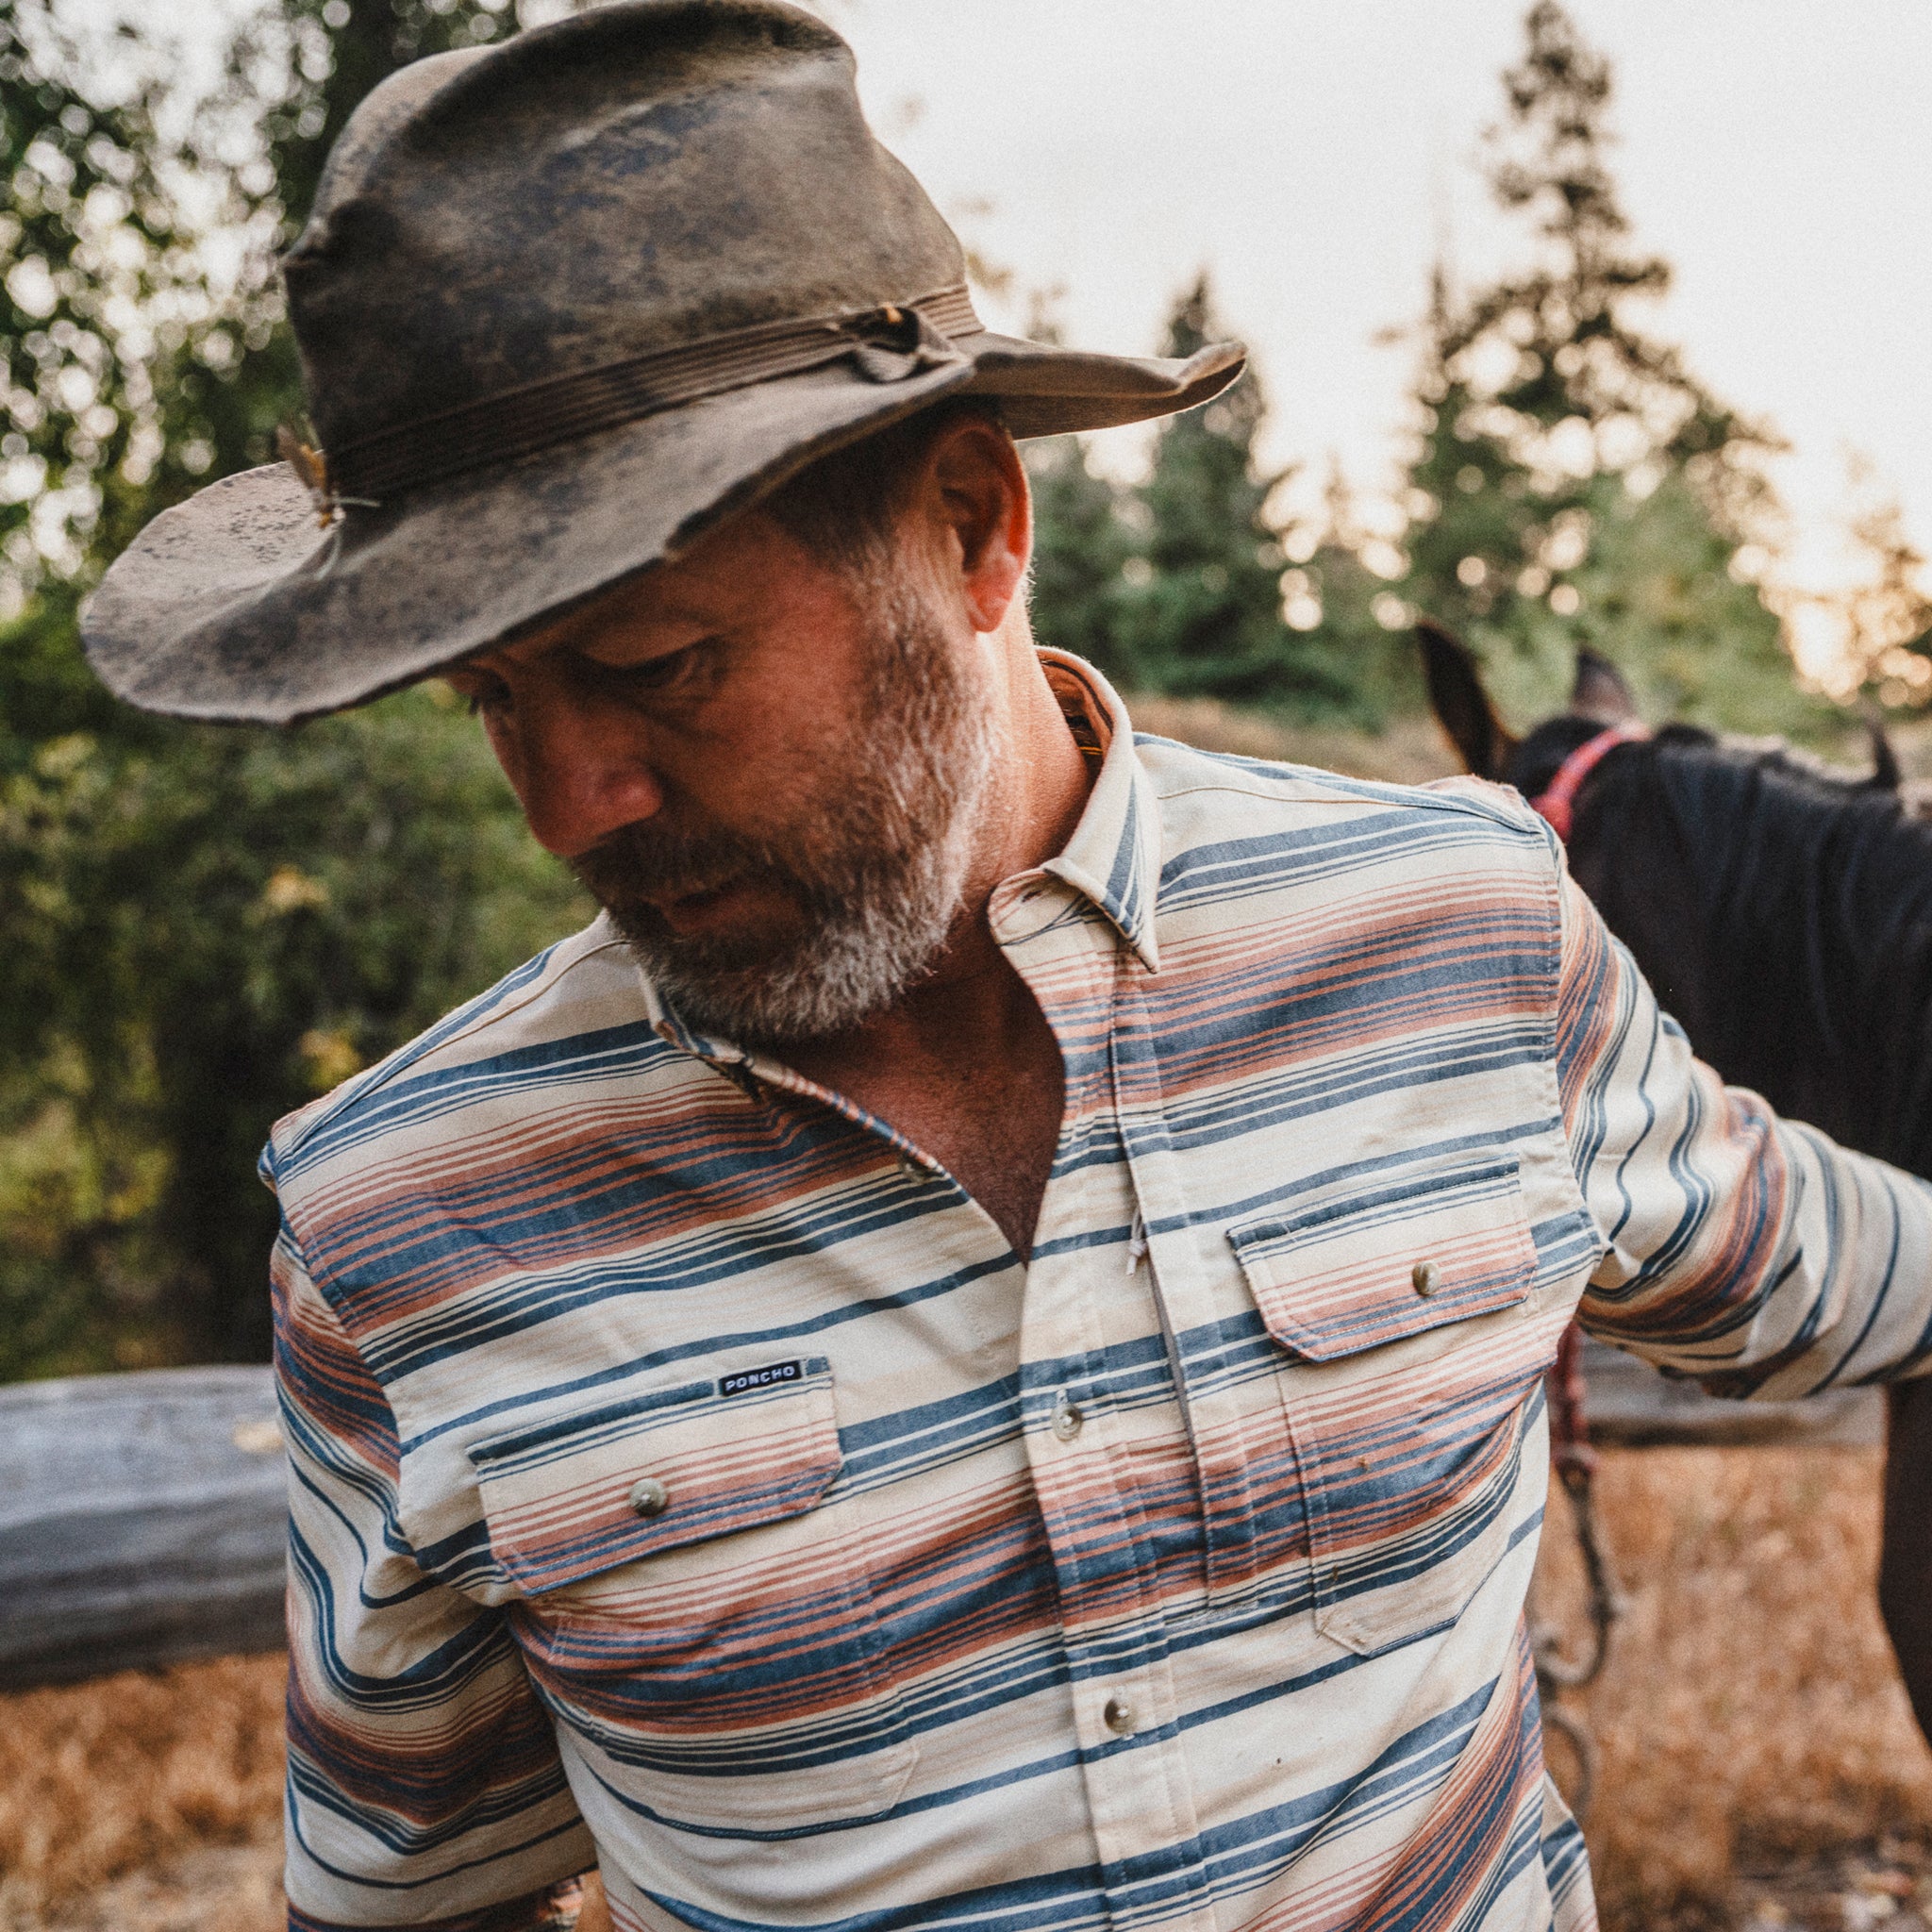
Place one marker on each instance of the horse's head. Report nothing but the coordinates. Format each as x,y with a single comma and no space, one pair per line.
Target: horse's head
1723,868
1599,701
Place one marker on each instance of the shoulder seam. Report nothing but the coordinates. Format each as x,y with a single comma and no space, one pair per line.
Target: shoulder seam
1507,809
412,1053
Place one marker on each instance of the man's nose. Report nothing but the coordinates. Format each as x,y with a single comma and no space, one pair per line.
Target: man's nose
581,770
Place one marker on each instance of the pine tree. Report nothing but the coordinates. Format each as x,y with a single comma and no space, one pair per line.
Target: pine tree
1577,484
1207,620
1081,547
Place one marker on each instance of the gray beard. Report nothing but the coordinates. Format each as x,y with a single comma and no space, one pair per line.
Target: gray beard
875,862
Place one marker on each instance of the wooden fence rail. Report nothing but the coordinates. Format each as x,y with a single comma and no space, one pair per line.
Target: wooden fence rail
140,1521
142,1515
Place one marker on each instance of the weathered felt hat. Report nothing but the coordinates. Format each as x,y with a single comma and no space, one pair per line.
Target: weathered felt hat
565,304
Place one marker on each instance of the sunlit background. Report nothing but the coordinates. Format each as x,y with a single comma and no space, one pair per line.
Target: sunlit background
206,928
1319,159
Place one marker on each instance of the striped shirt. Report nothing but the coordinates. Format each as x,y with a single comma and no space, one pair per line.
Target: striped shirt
688,1477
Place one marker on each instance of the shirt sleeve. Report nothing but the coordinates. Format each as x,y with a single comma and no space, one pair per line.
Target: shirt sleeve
424,1787
1750,1251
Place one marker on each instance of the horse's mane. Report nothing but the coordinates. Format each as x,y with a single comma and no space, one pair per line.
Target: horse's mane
1834,851
1812,894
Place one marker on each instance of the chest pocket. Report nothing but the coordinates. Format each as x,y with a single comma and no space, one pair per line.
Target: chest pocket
1404,1313
696,1599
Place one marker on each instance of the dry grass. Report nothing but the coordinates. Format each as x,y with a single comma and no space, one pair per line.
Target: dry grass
125,1774
1751,1714
1751,1709
1410,751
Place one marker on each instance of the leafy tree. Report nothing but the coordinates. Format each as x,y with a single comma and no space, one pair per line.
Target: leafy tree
220,929
1083,544
206,928
1880,622
1207,619
1576,484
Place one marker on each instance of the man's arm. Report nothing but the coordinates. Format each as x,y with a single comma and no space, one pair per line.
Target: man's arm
424,1787
1746,1250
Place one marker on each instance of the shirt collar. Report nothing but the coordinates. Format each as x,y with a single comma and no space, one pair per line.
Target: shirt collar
1113,857
671,1026
1114,854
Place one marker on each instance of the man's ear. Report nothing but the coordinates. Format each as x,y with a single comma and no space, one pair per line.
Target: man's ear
984,515
1460,704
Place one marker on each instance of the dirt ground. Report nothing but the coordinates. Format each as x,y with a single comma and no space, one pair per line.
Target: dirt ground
1759,1767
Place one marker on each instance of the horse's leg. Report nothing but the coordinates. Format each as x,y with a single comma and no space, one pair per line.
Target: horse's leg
1905,1561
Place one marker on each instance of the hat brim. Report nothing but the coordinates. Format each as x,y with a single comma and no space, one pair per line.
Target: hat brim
237,607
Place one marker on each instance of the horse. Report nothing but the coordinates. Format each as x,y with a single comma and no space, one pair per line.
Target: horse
1783,914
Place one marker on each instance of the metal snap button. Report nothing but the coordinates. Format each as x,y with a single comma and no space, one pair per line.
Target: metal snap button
1119,1716
649,1497
1067,1418
1426,1277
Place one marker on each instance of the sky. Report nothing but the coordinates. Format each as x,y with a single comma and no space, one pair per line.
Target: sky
1316,157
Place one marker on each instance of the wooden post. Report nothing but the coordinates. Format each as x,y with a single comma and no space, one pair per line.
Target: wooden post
1630,1406
142,1520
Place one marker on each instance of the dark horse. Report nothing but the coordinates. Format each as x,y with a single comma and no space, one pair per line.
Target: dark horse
1784,916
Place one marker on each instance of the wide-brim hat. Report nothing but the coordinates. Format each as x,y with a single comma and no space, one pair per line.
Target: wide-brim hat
564,305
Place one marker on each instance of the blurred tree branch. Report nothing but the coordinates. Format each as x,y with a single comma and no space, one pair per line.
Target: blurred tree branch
204,928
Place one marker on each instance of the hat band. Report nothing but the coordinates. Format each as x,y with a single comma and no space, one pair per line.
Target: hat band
886,344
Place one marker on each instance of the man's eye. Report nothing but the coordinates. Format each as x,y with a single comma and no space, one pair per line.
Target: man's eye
676,671
481,695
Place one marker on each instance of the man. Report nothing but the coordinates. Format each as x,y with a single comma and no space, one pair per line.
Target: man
971,1353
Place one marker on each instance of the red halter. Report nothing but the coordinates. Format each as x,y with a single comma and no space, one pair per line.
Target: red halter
1557,801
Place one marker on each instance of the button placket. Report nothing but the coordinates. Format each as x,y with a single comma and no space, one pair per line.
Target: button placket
1137,1797
1163,1247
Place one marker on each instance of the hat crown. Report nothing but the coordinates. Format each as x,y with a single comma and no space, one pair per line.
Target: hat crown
626,181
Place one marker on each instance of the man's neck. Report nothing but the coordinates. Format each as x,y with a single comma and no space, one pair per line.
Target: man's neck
1034,800
964,1063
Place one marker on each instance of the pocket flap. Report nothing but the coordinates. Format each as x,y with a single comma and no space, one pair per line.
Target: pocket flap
1407,1256
579,1493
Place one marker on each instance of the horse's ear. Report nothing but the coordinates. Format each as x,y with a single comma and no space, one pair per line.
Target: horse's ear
1600,691
1886,776
1460,704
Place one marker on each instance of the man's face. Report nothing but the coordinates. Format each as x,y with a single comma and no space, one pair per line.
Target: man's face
769,771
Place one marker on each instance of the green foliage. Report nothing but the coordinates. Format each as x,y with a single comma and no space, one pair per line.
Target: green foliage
1175,585
1575,484
206,928
223,926
86,249
1349,612
1082,548
1206,620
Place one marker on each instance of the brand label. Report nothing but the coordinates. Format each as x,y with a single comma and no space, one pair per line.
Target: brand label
747,1379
